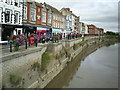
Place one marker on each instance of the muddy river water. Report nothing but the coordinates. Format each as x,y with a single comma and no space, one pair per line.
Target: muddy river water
97,70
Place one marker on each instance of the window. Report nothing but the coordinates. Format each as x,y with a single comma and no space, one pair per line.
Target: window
53,24
33,14
16,2
38,9
16,17
43,16
8,1
7,16
54,17
25,12
49,18
19,32
0,15
38,16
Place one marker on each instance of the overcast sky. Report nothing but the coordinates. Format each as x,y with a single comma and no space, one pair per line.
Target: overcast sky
102,13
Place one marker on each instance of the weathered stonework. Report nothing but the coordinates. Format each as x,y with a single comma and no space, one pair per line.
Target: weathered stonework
21,63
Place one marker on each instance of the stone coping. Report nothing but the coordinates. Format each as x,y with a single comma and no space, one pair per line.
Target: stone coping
20,53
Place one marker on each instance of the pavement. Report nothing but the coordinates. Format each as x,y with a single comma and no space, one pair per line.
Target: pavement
5,49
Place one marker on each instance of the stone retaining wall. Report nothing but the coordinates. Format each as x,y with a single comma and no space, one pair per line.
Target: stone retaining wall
21,63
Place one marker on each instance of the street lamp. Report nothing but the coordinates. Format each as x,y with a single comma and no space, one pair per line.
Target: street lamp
82,36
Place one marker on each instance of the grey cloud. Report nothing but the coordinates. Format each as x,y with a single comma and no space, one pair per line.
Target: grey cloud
102,13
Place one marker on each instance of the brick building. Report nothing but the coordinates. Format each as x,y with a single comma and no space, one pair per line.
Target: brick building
29,17
37,17
58,20
92,29
44,17
100,31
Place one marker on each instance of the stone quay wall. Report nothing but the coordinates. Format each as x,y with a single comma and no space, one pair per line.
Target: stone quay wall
20,65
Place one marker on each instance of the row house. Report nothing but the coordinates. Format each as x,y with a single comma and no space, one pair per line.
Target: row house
100,31
86,28
37,17
10,18
44,18
58,20
82,27
92,29
76,28
75,23
29,17
68,17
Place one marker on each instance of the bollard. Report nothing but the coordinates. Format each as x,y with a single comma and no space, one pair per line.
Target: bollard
25,44
10,45
36,42
29,41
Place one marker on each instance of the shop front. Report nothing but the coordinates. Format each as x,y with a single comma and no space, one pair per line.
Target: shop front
8,31
56,31
27,30
42,30
66,32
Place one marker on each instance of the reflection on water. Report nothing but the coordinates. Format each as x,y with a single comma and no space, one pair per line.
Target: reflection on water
98,70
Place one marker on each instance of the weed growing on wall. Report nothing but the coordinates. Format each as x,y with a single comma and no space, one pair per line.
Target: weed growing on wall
45,60
15,79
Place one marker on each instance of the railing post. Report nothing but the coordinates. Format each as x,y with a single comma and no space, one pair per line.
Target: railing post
25,44
29,40
36,42
10,45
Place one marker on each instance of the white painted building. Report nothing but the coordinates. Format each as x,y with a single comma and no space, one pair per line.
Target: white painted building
73,22
10,18
68,17
83,28
86,28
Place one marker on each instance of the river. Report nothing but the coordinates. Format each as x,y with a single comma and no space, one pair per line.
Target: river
97,70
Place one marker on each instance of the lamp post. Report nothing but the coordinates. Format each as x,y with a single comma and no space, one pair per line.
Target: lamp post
82,36
99,34
10,45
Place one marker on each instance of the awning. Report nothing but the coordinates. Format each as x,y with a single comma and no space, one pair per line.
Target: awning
67,31
41,28
56,30
44,31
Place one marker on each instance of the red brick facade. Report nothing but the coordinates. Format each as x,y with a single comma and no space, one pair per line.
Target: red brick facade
101,31
38,7
28,12
38,15
47,17
91,29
